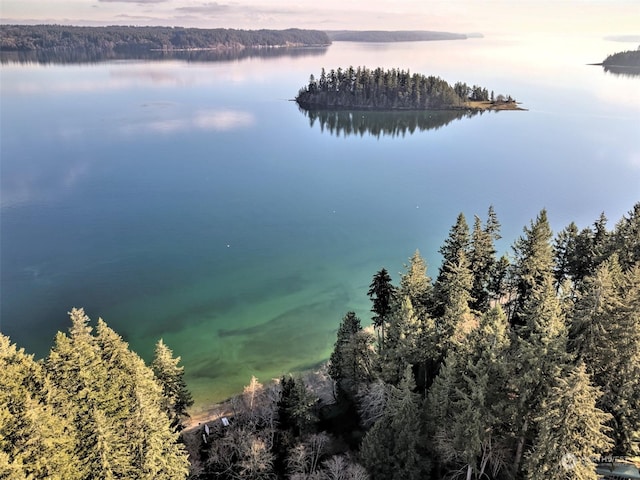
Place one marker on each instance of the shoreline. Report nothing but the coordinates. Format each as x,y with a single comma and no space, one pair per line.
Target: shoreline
495,106
477,106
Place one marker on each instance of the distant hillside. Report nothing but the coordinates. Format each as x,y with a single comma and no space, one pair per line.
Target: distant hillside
392,36
123,38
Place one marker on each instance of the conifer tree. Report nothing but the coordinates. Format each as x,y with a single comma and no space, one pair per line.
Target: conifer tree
602,247
539,354
75,366
416,284
482,257
455,292
382,293
500,281
458,241
468,401
571,430
605,335
171,377
115,405
351,361
392,449
565,247
154,452
35,442
417,327
404,343
533,263
455,247
626,238
295,412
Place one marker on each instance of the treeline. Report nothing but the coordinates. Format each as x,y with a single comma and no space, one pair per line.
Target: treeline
362,88
126,38
74,56
91,409
630,58
521,366
391,36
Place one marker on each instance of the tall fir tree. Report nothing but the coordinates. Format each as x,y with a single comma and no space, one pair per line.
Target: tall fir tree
533,264
416,284
459,240
457,319
176,395
565,248
382,293
455,246
538,355
571,430
483,261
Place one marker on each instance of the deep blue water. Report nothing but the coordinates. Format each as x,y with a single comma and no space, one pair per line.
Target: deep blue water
195,202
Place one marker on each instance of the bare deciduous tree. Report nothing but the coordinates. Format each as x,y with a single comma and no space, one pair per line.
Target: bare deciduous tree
371,401
340,467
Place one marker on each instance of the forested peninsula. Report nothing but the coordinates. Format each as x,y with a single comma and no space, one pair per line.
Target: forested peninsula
500,367
395,89
126,38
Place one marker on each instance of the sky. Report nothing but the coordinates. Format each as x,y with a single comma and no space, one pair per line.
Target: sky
603,17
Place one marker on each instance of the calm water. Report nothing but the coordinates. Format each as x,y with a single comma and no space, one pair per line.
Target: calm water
193,201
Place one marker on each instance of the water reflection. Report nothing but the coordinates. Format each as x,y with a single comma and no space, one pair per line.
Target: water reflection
622,71
62,56
396,123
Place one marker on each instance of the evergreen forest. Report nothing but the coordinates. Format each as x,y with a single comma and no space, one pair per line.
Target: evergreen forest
102,40
521,365
394,89
629,58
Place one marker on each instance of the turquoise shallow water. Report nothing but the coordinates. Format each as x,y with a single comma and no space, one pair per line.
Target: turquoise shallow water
193,201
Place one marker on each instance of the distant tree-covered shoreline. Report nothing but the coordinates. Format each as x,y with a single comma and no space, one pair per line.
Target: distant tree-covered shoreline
395,89
630,58
127,38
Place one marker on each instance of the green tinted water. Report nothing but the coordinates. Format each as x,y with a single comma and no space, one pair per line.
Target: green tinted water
193,201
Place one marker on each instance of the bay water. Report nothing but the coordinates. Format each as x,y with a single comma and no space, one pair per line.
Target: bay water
191,200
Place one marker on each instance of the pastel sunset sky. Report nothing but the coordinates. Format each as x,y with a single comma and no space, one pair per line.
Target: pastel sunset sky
603,17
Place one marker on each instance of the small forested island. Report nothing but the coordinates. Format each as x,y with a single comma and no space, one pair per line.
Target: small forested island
127,38
364,89
499,368
623,63
630,58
